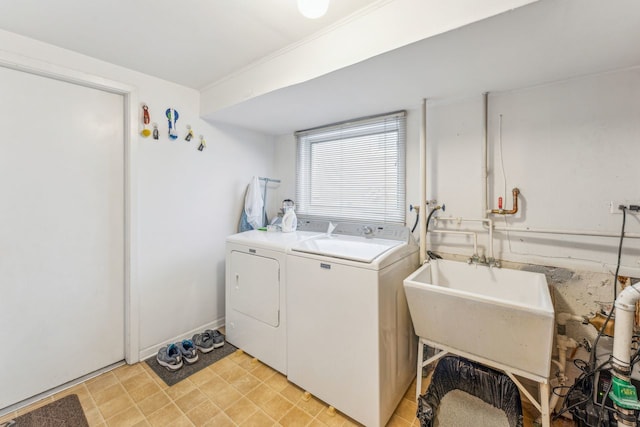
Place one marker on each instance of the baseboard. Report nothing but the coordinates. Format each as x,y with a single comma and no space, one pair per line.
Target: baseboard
148,352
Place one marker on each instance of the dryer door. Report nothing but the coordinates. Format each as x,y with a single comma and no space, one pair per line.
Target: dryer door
255,287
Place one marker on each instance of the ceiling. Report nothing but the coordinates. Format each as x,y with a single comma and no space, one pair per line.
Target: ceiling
197,43
190,42
542,42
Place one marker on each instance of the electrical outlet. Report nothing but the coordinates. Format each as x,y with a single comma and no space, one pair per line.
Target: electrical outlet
613,206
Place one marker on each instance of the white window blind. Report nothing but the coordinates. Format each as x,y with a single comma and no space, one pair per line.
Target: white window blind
353,170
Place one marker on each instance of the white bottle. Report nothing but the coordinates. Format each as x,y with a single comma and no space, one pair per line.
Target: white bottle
289,220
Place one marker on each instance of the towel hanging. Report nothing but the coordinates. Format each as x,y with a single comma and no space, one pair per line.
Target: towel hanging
254,205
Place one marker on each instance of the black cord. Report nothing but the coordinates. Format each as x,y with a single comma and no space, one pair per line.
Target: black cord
604,400
429,219
615,283
579,382
568,408
553,390
589,369
635,358
584,366
592,359
416,223
581,364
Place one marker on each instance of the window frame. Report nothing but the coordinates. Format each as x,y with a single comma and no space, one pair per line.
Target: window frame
371,130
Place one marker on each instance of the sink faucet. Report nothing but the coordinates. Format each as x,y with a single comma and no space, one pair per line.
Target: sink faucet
330,228
482,260
476,259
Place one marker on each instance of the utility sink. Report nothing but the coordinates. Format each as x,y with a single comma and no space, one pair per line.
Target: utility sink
495,314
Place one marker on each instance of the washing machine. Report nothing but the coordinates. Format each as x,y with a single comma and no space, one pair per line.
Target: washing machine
350,338
255,291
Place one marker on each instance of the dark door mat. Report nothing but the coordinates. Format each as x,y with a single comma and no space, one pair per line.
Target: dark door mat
66,412
204,359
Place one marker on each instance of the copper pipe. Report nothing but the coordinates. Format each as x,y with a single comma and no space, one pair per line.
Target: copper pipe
515,193
598,320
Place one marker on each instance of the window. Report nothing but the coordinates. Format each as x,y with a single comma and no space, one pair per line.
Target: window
353,170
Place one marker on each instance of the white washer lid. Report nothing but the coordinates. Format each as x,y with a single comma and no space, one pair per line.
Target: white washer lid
353,248
270,240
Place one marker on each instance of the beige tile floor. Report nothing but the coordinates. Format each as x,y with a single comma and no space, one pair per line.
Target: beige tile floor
235,391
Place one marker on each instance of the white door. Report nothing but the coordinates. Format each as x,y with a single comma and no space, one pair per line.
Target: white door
61,232
254,294
255,287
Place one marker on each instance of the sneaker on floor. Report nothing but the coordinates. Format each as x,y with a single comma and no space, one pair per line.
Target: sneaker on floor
203,342
170,357
217,337
188,351
208,340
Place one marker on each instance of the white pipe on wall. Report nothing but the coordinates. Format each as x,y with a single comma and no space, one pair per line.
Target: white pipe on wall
563,318
466,233
488,221
423,184
485,170
591,233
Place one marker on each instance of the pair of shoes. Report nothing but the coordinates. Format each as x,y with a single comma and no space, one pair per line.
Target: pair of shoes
170,357
188,351
208,340
173,355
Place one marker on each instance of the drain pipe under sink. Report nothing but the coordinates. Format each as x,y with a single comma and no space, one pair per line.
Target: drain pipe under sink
623,393
563,343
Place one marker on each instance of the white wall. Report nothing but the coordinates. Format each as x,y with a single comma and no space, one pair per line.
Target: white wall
570,147
286,166
187,201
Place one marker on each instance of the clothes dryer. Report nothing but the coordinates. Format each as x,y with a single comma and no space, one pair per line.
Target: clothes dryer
255,291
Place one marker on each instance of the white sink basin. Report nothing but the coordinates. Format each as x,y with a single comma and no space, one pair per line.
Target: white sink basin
501,315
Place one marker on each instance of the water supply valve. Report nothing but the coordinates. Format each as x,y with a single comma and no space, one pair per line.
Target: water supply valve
513,211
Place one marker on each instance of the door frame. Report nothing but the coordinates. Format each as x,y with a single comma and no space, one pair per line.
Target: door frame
130,126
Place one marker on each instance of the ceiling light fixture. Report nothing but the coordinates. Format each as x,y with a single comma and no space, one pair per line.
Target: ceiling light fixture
313,9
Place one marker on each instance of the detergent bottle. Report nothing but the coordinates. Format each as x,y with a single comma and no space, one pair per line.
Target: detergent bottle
289,219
